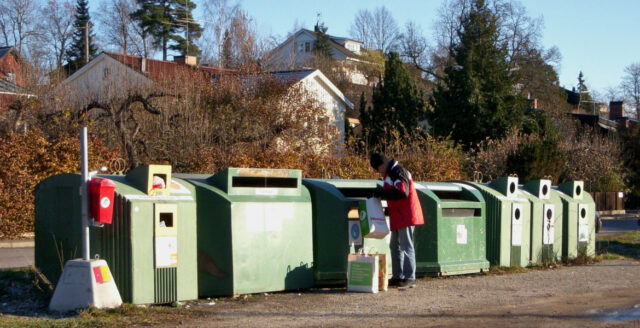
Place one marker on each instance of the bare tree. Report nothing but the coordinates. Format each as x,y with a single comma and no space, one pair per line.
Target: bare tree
17,20
377,29
116,22
56,26
631,86
361,28
219,15
415,49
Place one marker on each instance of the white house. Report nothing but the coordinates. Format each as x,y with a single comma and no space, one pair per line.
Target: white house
297,51
320,88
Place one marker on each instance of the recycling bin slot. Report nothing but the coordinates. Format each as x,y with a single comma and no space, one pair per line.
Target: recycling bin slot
166,220
264,182
461,212
353,214
356,192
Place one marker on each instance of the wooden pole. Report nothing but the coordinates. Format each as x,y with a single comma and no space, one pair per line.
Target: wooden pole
86,42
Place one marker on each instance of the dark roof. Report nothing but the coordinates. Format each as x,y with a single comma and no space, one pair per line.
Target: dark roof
292,76
158,69
4,51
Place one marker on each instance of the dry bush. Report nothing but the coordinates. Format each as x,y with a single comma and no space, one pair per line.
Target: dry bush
490,157
28,158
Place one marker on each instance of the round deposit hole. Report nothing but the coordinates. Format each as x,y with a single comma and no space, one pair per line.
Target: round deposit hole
512,187
545,190
578,190
517,214
549,214
583,213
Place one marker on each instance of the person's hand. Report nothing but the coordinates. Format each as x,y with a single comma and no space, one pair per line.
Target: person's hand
378,192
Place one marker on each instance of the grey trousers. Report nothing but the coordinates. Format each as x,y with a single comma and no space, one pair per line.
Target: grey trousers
403,255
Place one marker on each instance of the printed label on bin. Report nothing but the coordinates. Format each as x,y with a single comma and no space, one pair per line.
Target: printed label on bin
548,234
583,233
355,235
461,234
166,251
254,217
266,191
516,233
105,202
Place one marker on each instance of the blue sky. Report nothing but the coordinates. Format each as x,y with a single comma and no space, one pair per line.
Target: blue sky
595,36
599,37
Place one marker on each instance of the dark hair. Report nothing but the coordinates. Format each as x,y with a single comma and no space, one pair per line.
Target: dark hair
377,159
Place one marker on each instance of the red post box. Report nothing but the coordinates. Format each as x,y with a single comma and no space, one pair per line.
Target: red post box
101,192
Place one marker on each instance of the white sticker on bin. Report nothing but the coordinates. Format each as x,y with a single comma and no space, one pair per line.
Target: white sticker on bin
461,234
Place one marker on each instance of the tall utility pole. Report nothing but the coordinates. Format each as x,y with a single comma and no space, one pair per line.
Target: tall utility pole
86,42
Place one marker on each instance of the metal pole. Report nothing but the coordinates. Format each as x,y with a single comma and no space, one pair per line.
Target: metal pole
86,42
84,200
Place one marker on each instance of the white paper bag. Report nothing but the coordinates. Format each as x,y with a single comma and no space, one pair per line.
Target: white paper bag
372,220
362,273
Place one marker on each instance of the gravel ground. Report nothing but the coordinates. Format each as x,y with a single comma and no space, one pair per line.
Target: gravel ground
600,295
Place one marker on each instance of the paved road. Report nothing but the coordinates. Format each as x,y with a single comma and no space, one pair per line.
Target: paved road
617,226
16,257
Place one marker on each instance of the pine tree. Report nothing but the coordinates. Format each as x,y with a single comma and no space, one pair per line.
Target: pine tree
476,99
322,47
584,99
397,106
184,15
75,55
164,20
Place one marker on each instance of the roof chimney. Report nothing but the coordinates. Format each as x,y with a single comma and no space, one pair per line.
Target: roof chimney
186,60
616,110
143,65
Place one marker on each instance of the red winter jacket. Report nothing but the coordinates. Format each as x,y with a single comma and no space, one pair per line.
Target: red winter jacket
402,200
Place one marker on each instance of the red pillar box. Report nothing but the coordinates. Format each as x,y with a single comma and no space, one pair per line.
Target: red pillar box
101,192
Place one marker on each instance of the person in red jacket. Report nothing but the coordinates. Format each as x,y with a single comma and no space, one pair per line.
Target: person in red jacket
405,212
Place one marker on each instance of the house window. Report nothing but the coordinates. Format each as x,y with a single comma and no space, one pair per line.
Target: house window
106,73
307,46
300,47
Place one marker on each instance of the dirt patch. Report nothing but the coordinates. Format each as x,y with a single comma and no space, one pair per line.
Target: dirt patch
567,296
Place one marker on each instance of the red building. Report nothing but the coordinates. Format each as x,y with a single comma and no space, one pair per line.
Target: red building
11,78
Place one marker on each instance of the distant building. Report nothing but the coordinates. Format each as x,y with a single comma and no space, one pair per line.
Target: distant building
12,84
296,52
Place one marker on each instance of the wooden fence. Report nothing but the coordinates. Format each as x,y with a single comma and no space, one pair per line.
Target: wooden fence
608,201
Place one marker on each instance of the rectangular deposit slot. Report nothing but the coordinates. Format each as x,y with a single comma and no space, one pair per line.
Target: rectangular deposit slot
264,182
258,182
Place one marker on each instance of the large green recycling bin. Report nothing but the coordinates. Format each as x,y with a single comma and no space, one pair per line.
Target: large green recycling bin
254,231
546,221
336,226
578,219
150,246
452,240
508,217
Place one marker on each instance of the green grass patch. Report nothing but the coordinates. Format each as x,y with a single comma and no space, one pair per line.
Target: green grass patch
619,246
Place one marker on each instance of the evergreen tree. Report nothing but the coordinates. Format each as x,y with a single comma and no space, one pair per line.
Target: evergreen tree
397,106
75,55
193,30
584,99
476,99
164,20
322,47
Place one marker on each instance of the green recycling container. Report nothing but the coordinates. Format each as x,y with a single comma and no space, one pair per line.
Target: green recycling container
578,219
508,222
254,231
150,246
453,239
336,226
546,221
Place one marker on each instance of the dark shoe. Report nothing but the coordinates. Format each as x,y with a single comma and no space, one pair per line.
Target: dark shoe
407,283
394,282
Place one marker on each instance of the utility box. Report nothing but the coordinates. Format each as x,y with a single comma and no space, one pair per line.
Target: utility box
546,221
149,246
254,231
336,226
508,218
578,219
453,238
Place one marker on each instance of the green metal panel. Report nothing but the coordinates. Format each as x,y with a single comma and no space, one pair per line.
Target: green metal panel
578,220
546,221
331,202
508,225
452,240
255,237
127,245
